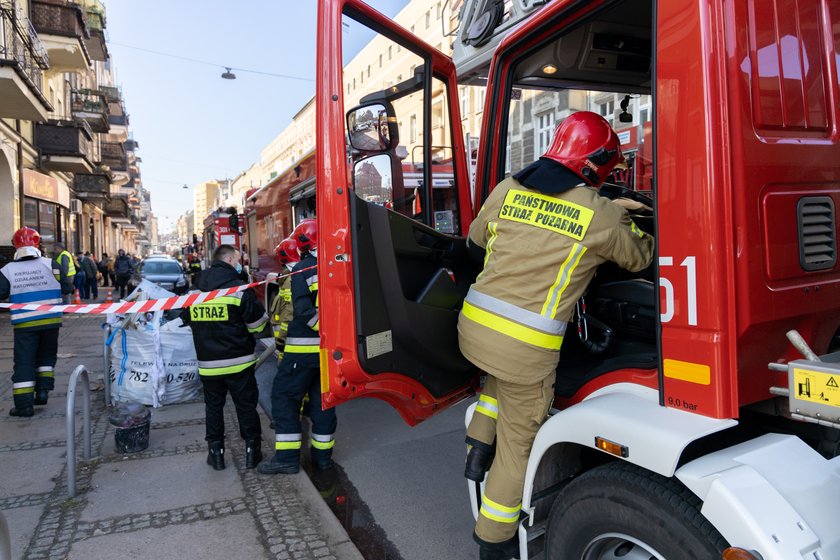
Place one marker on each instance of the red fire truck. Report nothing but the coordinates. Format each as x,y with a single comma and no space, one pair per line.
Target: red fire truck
222,226
272,212
702,427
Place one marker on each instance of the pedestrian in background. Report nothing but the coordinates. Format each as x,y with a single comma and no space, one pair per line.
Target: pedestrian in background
91,284
298,373
103,264
223,330
32,278
80,281
67,271
122,272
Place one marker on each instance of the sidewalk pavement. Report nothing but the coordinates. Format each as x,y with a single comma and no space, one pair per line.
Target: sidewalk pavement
161,503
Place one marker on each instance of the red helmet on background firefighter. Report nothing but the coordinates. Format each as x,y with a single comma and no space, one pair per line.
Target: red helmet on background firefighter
287,251
306,235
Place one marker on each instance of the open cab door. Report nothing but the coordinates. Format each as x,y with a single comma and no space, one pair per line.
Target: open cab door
393,209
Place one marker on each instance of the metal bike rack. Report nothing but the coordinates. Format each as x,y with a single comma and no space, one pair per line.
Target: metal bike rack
106,363
82,372
5,539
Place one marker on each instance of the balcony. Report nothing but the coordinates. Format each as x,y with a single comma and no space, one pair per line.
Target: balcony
23,59
114,156
63,31
96,46
117,207
65,146
90,106
112,94
92,186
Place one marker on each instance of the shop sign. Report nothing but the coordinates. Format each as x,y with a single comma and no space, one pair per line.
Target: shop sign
38,185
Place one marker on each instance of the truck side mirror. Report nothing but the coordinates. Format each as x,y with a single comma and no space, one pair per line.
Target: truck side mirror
369,128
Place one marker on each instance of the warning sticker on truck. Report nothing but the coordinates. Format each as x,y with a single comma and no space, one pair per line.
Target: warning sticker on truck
817,387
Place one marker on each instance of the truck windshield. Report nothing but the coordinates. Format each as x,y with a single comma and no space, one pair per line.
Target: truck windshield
535,113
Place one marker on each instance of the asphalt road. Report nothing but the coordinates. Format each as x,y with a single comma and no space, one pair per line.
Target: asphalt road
407,497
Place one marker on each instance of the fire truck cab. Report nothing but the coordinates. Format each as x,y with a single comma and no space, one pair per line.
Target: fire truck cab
698,425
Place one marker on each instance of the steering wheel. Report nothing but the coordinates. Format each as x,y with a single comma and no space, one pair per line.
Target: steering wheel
613,191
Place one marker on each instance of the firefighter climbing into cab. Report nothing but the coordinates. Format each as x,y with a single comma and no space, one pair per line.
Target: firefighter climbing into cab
543,233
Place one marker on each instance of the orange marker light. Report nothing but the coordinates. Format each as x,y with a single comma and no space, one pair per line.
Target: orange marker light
735,553
612,448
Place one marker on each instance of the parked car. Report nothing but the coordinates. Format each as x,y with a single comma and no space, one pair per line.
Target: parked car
163,271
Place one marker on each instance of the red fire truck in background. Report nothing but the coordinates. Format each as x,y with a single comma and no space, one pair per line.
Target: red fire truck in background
224,226
272,212
701,427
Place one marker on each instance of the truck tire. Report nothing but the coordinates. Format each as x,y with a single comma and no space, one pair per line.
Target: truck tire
622,511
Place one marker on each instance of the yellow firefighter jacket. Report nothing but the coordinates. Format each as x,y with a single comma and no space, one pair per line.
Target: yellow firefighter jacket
541,253
281,310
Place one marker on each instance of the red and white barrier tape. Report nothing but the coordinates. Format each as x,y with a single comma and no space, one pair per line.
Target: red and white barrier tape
120,308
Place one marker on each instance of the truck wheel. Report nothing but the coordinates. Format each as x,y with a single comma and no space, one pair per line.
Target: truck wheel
619,510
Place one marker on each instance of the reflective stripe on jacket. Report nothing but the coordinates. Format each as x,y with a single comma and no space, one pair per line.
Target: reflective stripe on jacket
33,281
302,337
541,251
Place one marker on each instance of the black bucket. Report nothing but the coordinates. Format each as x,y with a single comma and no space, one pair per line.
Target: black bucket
132,422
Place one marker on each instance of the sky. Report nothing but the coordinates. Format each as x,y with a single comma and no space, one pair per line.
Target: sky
192,125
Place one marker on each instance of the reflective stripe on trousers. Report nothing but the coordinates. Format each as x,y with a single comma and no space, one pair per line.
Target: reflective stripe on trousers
287,441
322,441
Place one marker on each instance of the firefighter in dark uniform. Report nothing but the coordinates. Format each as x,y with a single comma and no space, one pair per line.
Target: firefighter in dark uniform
298,374
31,278
544,232
223,330
195,269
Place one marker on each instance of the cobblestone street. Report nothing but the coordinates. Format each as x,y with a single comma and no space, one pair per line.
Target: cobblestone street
164,502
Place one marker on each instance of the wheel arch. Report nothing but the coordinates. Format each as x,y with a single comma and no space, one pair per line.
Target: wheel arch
654,436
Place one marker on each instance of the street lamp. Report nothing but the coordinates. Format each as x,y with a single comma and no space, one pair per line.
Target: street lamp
228,75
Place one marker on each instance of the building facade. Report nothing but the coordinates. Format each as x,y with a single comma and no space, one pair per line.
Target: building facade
63,129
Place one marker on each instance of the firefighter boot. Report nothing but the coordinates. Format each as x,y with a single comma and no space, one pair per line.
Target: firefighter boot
253,453
479,459
22,411
498,551
278,466
41,396
216,455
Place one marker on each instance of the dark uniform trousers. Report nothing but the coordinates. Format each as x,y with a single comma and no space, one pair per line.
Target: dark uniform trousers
243,390
34,368
299,375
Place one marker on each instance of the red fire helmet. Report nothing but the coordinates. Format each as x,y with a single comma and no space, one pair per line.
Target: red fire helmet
586,144
306,235
26,237
287,251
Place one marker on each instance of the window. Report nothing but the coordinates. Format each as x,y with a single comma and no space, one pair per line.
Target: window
437,113
607,109
479,105
412,128
412,30
380,61
368,71
507,155
439,10
411,71
464,98
390,52
354,83
543,131
428,19
399,78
